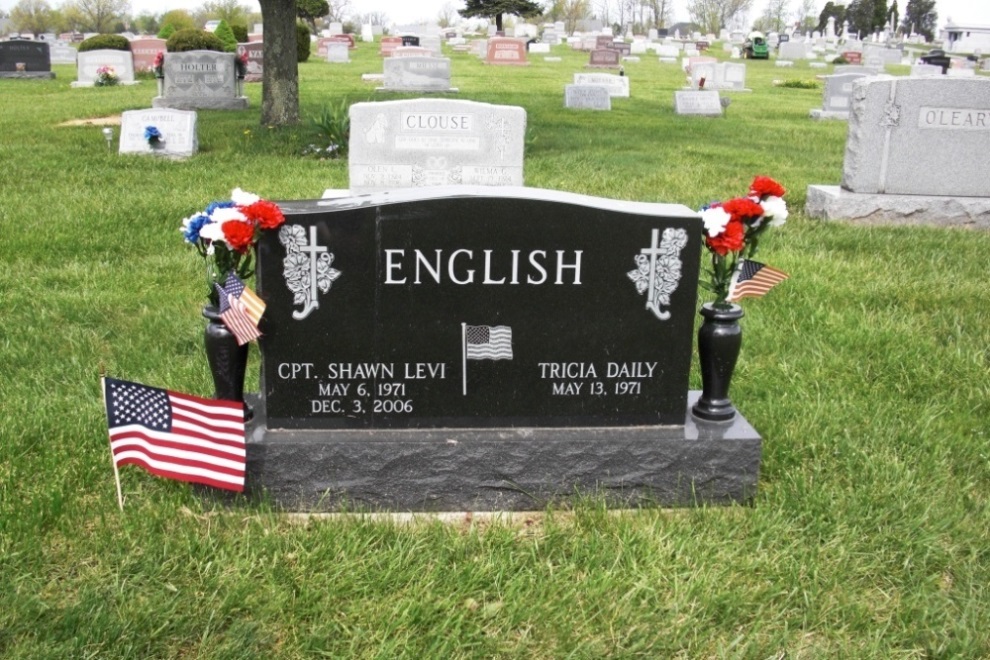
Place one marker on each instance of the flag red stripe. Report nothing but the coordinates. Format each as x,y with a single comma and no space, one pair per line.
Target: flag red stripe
227,420
183,424
218,406
183,465
226,453
179,476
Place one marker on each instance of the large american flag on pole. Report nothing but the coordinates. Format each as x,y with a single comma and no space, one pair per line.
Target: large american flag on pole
176,436
753,279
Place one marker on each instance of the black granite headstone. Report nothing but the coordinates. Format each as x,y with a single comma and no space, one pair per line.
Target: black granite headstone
25,59
410,40
476,333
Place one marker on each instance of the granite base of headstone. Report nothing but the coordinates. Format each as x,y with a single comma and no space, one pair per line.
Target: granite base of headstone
178,130
200,80
836,203
892,123
415,361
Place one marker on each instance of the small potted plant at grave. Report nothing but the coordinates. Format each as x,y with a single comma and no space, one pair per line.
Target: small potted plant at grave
225,235
732,232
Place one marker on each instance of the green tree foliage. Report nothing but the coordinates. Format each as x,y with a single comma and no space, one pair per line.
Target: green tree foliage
185,40
867,16
831,9
167,31
310,10
226,35
240,33
303,45
105,42
101,15
879,17
773,18
497,8
32,16
225,10
713,15
920,16
147,23
178,19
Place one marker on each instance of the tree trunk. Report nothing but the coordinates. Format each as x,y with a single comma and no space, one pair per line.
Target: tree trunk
498,22
280,77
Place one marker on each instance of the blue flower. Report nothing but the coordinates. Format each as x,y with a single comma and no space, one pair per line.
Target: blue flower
152,134
218,205
194,225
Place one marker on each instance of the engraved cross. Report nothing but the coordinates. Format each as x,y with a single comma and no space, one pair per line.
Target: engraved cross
651,293
314,250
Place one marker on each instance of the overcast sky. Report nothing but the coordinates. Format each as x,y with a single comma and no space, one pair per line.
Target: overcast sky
404,11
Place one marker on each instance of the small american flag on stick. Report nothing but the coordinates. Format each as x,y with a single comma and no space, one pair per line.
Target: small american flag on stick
240,309
176,436
752,280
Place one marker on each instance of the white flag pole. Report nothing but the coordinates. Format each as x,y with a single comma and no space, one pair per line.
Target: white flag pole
116,471
464,359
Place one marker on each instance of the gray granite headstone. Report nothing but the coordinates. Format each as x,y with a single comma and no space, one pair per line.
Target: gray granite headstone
25,59
703,103
617,86
417,74
837,97
792,50
587,97
857,68
200,79
90,61
919,70
177,127
919,136
421,142
338,53
63,53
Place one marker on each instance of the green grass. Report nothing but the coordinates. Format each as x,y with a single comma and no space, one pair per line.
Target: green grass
866,373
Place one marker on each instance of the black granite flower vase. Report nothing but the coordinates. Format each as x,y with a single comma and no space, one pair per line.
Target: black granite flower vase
228,361
719,341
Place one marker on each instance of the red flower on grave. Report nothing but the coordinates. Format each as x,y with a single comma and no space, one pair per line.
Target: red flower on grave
239,235
743,209
732,238
267,214
764,186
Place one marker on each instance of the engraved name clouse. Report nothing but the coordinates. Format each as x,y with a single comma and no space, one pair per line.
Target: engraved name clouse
658,269
306,267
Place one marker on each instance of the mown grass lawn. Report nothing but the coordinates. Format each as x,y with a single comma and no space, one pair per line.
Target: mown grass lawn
866,373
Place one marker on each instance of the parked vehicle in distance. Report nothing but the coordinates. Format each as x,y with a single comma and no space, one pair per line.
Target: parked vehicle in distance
756,47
